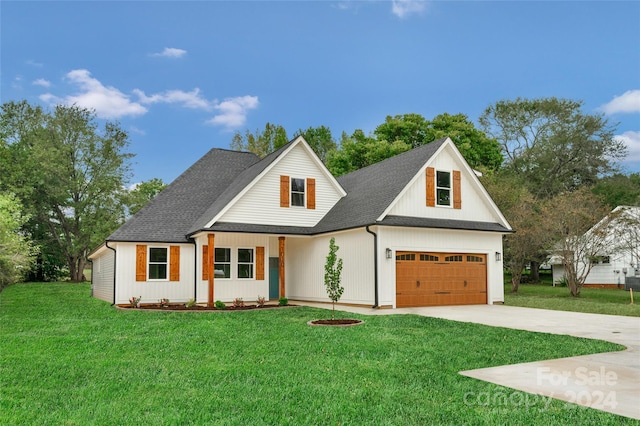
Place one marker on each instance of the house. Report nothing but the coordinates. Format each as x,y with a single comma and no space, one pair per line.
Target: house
414,230
618,254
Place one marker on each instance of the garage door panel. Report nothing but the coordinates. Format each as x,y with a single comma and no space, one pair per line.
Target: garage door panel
432,279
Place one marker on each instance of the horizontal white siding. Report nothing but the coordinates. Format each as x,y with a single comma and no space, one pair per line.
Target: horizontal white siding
102,274
422,240
602,273
261,204
305,260
474,205
152,291
228,289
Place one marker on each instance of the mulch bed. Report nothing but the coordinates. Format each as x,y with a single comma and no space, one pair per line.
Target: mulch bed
158,307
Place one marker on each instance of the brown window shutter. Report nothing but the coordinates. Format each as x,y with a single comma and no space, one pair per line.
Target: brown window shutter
174,263
205,263
141,262
431,187
311,193
284,191
457,196
260,263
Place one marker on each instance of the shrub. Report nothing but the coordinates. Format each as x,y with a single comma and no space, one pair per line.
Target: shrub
190,303
135,301
562,282
220,304
283,301
164,302
260,301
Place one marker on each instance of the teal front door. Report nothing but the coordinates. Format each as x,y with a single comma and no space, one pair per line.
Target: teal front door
274,289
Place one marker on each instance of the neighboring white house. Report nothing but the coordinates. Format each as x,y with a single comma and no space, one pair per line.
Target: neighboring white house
416,229
620,257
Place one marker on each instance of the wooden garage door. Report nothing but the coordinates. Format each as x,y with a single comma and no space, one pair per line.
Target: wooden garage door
433,279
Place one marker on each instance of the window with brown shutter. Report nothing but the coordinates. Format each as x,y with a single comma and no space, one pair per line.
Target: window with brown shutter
457,196
205,263
284,191
311,193
259,263
174,263
141,262
431,187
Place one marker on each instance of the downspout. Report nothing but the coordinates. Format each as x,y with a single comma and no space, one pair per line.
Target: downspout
195,269
375,265
115,271
91,277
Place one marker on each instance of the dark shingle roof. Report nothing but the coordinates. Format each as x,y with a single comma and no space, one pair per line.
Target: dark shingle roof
173,212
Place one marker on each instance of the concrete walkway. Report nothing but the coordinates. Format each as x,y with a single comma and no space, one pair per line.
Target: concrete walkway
608,381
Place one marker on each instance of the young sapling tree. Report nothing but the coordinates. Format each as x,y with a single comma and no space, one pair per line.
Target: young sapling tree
332,276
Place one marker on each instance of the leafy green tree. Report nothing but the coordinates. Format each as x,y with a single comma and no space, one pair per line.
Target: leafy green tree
358,151
68,174
332,276
619,189
260,143
320,140
552,144
412,129
17,252
141,194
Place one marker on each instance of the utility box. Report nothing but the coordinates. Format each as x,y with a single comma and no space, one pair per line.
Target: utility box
632,282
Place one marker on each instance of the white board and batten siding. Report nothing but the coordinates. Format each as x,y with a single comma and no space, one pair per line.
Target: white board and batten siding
442,241
261,203
305,260
152,291
102,274
227,289
475,207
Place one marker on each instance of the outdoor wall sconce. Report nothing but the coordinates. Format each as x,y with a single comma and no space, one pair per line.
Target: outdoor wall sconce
498,256
388,253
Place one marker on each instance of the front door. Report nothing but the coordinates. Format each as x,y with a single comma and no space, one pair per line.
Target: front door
274,290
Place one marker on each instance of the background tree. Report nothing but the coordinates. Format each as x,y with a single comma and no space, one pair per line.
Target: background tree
552,144
68,175
260,143
137,197
412,129
569,216
619,189
332,276
320,140
16,250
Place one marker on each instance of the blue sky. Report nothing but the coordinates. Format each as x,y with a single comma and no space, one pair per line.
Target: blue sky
181,77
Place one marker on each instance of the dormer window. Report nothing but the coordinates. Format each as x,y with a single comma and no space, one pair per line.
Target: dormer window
297,192
443,188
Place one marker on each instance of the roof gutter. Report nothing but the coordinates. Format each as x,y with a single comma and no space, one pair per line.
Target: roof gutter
375,265
106,243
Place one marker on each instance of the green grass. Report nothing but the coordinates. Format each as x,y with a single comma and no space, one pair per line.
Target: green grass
70,359
592,300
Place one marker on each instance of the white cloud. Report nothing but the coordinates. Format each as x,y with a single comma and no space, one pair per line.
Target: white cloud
629,101
134,129
171,52
233,111
404,8
190,99
632,140
34,63
42,82
107,101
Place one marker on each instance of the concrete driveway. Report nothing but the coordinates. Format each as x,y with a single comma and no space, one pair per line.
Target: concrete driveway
607,381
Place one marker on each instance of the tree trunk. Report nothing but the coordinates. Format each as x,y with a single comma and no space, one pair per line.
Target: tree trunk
534,277
76,269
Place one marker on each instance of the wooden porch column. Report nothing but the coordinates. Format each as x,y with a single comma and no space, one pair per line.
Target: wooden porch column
210,254
281,265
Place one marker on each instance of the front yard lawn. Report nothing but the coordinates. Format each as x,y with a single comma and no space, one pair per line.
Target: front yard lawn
592,300
70,359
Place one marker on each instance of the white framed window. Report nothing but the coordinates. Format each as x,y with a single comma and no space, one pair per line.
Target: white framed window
222,262
245,263
158,263
443,188
297,191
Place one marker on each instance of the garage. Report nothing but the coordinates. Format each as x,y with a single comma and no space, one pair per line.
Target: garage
435,279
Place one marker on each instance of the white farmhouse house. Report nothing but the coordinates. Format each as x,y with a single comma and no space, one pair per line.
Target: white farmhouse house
619,255
414,230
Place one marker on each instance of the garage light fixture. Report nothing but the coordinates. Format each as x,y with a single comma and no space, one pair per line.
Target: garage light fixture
498,256
389,253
